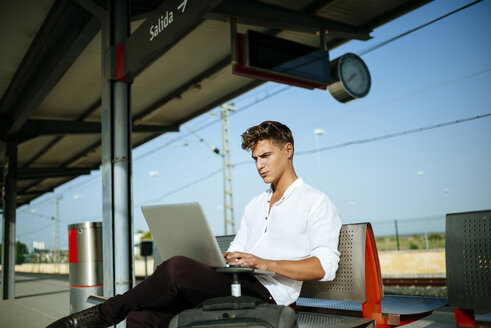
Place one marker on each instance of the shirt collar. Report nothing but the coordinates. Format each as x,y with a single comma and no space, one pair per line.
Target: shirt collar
291,188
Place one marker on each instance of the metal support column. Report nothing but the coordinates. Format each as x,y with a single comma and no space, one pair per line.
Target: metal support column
8,229
116,159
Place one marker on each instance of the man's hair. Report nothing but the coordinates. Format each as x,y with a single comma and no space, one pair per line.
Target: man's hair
279,133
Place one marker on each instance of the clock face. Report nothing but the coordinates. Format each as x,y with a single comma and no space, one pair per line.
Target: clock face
354,75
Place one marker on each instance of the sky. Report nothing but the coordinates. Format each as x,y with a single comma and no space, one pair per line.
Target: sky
438,74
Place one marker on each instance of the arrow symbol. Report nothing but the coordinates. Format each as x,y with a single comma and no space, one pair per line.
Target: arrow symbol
182,6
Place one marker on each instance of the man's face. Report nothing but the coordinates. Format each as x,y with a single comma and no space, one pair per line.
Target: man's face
271,159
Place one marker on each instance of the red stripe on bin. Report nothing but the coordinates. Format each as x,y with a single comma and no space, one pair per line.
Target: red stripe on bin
83,286
72,246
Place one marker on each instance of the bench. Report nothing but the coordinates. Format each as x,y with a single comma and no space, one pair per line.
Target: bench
468,262
357,290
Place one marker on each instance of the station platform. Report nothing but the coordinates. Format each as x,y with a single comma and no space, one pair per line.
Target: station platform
39,300
43,298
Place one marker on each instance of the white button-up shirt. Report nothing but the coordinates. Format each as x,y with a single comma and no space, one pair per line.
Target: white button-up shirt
302,224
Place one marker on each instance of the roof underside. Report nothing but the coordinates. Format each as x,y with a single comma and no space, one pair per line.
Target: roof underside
50,73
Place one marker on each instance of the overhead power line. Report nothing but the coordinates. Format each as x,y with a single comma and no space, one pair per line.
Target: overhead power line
258,100
384,43
345,144
202,140
190,184
393,135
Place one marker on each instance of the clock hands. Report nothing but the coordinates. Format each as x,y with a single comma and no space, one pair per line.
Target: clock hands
351,77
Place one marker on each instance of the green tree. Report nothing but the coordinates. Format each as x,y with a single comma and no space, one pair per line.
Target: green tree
147,235
435,236
20,252
413,245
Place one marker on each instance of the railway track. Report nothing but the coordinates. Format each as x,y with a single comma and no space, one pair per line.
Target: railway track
416,282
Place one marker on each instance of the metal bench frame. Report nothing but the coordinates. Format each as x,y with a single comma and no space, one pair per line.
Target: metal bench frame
354,281
358,278
468,262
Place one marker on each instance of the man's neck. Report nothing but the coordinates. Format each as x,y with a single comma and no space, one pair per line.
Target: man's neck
284,182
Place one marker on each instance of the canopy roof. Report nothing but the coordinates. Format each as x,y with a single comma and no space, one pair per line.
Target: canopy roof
50,72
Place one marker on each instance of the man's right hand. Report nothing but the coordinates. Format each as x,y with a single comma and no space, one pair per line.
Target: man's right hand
246,259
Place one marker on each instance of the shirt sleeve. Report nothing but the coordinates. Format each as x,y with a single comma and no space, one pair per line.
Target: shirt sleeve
239,242
323,233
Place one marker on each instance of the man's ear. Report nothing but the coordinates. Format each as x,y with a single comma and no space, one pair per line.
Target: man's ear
289,150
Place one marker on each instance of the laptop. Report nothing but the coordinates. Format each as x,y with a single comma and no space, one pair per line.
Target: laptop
182,229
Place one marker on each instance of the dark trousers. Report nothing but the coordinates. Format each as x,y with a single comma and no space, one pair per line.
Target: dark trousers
177,284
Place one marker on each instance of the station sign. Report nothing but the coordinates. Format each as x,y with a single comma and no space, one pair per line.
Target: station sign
165,27
241,68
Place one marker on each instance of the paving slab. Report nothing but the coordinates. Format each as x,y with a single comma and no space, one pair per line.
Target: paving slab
39,300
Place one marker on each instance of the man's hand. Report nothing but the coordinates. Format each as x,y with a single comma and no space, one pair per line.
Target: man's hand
239,258
306,269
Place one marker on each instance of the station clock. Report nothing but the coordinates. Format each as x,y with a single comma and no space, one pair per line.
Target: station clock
350,78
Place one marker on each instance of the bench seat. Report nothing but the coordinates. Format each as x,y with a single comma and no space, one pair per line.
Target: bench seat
316,320
390,304
398,309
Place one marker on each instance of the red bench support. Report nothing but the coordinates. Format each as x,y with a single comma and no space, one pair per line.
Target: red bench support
372,307
464,318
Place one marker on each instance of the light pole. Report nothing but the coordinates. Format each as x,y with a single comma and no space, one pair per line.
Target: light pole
420,175
76,199
449,203
56,254
317,133
153,174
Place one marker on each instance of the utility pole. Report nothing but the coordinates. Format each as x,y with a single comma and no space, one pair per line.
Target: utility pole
228,204
56,254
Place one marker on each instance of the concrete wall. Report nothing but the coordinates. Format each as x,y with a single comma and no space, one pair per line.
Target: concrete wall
393,264
412,263
61,268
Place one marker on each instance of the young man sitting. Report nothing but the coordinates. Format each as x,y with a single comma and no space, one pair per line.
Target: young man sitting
291,229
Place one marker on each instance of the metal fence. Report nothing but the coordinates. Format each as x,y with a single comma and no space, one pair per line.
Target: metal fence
409,226
410,233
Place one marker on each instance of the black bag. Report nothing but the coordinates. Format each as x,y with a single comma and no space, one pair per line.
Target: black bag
243,311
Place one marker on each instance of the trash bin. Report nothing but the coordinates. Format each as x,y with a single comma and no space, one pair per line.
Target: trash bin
85,262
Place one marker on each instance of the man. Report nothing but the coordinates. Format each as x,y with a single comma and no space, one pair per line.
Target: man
291,229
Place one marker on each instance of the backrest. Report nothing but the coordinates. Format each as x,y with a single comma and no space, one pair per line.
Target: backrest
224,242
468,260
358,278
349,284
